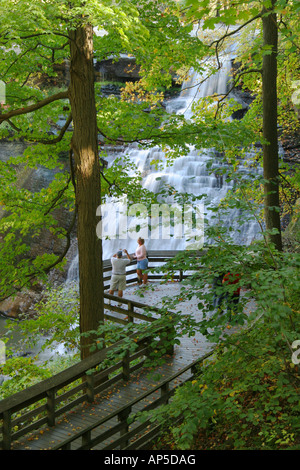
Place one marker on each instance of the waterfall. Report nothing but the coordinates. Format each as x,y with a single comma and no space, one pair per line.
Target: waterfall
188,173
198,86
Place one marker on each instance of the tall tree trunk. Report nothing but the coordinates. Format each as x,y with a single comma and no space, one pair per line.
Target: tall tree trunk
270,150
87,173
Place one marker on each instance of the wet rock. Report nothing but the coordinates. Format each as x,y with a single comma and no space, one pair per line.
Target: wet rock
20,305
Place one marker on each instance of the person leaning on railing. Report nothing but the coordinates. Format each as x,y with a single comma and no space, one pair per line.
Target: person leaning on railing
142,261
118,278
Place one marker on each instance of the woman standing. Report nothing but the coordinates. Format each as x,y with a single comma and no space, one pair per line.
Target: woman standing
142,261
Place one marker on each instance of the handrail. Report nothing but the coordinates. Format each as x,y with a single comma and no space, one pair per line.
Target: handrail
124,412
48,388
37,391
153,257
92,382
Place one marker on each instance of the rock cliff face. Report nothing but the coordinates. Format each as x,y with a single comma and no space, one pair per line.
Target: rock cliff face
111,70
120,70
33,180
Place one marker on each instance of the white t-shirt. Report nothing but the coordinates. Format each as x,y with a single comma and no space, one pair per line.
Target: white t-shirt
119,265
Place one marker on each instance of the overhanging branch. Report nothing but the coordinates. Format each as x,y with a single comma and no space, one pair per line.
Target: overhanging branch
57,139
232,33
33,107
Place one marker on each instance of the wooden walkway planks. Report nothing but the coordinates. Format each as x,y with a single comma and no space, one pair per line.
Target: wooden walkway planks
120,394
117,396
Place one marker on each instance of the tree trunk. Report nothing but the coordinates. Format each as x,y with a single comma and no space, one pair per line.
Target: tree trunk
270,150
87,175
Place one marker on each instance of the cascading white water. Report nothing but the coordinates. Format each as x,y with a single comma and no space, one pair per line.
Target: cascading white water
188,173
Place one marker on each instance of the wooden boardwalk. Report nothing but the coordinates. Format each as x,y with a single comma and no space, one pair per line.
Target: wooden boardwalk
109,402
142,384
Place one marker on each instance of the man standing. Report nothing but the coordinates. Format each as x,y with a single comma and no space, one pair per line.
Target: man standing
118,278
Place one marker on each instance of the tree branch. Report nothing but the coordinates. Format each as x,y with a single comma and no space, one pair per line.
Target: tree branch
290,37
34,107
236,80
232,33
31,276
57,197
59,137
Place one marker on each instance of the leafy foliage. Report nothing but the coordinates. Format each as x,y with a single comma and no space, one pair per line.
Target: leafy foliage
250,388
246,396
34,44
22,373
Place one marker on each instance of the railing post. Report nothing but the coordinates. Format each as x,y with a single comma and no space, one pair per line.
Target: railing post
126,366
6,432
90,381
66,446
86,439
123,416
164,391
194,369
130,309
171,332
50,407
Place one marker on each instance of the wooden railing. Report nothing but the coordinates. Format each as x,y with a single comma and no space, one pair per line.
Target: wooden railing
44,402
133,435
156,258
